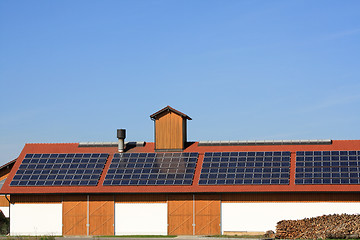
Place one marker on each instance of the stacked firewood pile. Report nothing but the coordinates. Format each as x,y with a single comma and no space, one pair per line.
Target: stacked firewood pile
337,226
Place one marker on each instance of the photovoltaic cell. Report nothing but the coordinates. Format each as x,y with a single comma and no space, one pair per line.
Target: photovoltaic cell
245,168
151,169
80,169
327,167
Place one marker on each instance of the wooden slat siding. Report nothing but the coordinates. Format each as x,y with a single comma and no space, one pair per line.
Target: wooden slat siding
74,215
101,215
207,214
36,199
173,131
3,201
140,198
184,132
169,131
162,126
176,134
291,197
180,214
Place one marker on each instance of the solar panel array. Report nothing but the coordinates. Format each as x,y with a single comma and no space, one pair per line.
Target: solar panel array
218,168
72,169
243,168
327,167
151,169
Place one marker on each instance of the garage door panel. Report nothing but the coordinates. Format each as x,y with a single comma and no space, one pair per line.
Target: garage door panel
75,215
207,215
181,225
181,207
180,211
207,225
208,208
101,215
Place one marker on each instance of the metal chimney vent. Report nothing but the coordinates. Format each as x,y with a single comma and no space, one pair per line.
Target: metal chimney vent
121,135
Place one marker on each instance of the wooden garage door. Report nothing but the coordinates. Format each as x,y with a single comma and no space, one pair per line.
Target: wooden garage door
75,215
207,215
180,214
101,214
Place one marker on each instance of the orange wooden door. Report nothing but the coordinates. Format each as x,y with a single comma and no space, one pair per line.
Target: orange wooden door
180,214
207,215
101,215
75,215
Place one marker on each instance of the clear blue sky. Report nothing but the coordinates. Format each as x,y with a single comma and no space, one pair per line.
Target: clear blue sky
73,71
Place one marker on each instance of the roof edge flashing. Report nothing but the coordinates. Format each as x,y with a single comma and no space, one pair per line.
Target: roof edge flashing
266,142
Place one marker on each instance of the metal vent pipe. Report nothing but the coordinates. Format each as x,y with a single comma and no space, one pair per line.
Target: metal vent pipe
121,135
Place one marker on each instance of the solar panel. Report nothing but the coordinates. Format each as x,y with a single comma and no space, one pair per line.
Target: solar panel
151,169
327,167
80,169
245,168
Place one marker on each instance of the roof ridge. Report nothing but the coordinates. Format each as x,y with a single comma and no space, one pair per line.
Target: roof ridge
265,142
52,143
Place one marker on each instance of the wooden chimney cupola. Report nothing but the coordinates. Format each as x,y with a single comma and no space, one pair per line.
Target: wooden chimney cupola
170,129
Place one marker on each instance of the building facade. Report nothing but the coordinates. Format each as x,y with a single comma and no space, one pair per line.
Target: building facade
176,187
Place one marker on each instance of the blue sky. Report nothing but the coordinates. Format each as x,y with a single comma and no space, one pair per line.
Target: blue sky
73,71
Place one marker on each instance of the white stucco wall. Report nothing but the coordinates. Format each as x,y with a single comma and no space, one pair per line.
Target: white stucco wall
36,219
140,218
5,211
264,216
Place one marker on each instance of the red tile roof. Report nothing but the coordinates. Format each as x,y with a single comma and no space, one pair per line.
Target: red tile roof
193,147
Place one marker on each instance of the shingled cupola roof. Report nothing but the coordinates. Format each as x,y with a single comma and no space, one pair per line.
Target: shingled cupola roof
170,129
169,109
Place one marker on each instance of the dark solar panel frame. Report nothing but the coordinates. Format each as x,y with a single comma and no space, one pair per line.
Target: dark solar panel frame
245,168
327,167
72,169
151,169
